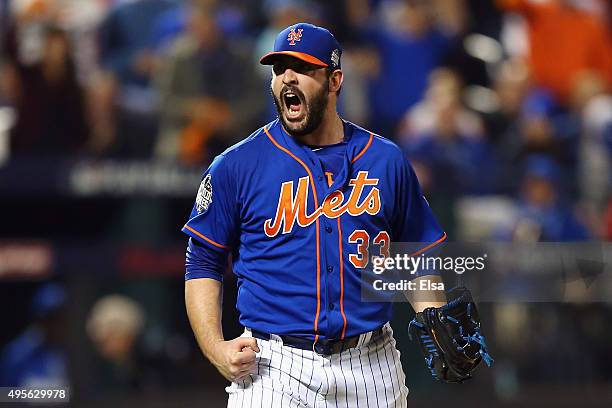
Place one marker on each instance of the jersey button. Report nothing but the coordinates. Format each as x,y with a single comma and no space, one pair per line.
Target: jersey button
328,229
331,306
330,268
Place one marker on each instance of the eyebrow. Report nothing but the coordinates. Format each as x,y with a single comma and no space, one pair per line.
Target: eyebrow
297,65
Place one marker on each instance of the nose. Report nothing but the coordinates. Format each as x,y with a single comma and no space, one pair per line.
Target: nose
289,76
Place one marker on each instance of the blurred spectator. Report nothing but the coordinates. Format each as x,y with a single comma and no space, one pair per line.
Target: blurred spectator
230,16
169,25
127,43
543,213
37,357
127,53
115,324
453,20
24,37
541,128
592,106
564,40
360,62
51,115
441,111
208,99
511,85
409,46
280,14
79,18
447,140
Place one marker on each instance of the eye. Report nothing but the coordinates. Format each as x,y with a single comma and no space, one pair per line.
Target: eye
279,68
298,66
304,68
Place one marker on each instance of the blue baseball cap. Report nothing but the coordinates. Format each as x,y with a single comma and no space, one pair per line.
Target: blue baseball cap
541,166
308,43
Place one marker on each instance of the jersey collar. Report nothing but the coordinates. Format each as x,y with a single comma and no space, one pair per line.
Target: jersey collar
357,143
357,139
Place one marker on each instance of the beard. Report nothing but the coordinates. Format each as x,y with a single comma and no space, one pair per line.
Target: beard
315,110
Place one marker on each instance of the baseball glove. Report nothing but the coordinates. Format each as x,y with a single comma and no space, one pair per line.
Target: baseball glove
450,338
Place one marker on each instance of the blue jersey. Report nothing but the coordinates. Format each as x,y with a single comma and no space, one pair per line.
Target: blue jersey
300,238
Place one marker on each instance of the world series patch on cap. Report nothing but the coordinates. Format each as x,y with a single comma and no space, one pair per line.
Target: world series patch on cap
307,42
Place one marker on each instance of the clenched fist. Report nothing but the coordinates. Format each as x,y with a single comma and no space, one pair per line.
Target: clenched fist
235,359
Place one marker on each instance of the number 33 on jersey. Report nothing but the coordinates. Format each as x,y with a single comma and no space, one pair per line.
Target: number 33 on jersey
305,234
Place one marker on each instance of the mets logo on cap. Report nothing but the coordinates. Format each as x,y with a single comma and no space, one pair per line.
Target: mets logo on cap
294,36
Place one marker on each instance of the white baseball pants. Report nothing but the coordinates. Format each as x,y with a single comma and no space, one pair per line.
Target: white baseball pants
367,376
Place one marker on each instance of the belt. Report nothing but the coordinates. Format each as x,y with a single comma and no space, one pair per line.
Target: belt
325,347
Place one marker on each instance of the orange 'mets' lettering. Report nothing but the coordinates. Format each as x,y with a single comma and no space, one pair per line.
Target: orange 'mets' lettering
294,208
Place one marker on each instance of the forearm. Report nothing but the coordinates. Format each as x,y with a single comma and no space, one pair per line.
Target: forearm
203,300
422,299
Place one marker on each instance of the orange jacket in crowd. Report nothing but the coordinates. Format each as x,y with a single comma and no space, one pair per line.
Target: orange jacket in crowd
563,42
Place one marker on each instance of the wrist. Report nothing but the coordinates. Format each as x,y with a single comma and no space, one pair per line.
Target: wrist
211,351
420,306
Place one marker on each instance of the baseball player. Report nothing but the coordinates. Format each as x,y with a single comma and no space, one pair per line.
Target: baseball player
302,204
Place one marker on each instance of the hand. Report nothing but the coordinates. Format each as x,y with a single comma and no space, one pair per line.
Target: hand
235,359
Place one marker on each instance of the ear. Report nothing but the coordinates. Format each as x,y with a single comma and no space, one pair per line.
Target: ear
335,80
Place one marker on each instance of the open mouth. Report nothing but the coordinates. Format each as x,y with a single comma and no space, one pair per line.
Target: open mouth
293,104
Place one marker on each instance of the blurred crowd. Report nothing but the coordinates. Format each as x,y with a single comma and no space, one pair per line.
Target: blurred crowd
114,340
503,98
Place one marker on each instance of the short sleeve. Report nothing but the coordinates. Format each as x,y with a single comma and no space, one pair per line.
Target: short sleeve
214,218
413,219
